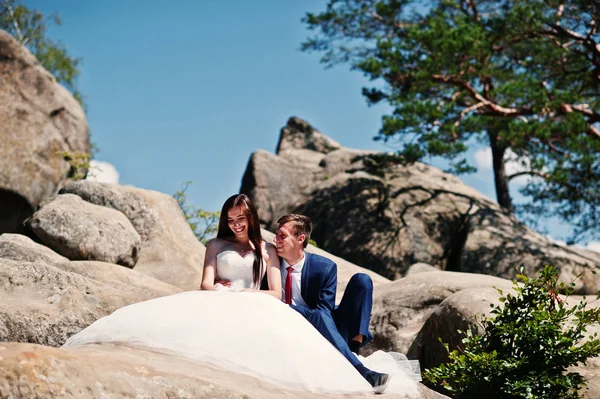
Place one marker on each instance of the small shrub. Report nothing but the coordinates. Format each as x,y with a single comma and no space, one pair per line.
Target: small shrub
79,163
204,224
526,346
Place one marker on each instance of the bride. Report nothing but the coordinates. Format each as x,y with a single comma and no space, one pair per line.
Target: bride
240,252
230,325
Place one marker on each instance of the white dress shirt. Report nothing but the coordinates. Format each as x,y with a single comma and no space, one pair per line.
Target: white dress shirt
296,281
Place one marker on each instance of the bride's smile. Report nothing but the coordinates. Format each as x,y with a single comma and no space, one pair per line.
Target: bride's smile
238,223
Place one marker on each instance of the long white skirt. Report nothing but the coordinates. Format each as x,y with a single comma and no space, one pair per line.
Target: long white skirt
249,333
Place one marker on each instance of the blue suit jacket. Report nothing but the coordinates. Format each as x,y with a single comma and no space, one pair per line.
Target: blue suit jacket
318,283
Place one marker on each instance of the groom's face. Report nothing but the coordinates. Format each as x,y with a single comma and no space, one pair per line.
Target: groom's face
287,243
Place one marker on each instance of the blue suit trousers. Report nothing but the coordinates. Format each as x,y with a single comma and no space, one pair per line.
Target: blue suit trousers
350,318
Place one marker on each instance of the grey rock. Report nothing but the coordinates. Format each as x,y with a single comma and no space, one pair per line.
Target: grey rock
169,250
46,304
22,248
461,311
421,268
119,370
38,118
401,308
591,372
299,135
464,310
79,230
386,217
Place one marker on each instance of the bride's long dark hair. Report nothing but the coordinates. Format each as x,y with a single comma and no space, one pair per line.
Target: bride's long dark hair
254,235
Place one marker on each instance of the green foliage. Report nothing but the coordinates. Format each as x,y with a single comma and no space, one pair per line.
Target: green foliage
526,347
204,224
313,243
79,163
518,76
30,27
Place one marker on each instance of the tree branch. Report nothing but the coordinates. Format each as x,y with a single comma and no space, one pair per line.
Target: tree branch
466,111
14,22
466,86
529,173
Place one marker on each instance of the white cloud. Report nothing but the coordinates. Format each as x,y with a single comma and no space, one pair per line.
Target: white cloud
102,172
483,159
593,246
514,164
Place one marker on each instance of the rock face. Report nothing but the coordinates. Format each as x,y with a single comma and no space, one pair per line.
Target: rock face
169,251
38,118
109,370
46,304
401,308
386,217
23,248
79,230
459,312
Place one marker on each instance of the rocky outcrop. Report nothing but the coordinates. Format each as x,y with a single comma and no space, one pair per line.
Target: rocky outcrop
38,119
386,217
79,230
22,248
461,311
402,307
464,310
169,251
109,370
45,298
47,303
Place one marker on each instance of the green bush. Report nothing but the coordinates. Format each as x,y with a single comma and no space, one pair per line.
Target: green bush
79,163
526,347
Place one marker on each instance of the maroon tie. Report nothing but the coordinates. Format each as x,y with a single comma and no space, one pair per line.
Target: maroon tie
288,286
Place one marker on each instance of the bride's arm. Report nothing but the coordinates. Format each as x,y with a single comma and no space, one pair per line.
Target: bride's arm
273,272
210,265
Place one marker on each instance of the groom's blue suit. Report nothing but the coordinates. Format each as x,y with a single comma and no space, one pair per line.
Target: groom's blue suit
339,325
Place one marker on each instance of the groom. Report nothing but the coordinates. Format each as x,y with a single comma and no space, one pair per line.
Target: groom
309,285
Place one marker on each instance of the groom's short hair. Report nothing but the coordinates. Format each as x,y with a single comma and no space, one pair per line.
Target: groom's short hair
302,225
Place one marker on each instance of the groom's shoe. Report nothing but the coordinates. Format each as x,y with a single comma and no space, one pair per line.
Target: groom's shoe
379,381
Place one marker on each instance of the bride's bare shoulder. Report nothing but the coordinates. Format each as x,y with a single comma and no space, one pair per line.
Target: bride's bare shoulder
216,244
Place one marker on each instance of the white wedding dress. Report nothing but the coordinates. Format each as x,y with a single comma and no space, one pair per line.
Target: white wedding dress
246,332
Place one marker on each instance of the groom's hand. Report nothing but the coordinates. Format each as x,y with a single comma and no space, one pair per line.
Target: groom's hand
224,283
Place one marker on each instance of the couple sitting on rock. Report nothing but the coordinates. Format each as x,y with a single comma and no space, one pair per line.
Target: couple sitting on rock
255,334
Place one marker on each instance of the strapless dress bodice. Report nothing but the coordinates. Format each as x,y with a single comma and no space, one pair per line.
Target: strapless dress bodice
232,266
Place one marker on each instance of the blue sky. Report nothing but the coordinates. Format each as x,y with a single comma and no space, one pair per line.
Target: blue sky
187,90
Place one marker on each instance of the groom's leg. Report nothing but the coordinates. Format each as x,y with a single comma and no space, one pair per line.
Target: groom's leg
353,315
322,320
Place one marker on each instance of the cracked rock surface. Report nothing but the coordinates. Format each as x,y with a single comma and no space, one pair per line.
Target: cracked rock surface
386,217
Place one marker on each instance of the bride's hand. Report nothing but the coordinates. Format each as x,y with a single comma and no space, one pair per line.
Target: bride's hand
224,283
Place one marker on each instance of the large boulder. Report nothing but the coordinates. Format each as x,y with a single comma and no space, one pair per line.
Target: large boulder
169,251
110,370
38,119
79,230
386,217
23,248
47,303
402,307
463,311
460,312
